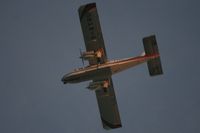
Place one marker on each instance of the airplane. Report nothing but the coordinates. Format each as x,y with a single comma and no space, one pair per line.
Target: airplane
100,69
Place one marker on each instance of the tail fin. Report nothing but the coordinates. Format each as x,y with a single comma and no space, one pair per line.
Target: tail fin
150,47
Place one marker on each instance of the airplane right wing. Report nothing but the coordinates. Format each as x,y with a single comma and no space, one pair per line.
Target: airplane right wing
92,31
108,107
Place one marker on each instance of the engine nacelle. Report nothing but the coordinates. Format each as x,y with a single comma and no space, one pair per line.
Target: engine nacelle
92,54
98,85
87,55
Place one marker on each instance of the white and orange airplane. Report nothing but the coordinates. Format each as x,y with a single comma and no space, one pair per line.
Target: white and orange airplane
101,69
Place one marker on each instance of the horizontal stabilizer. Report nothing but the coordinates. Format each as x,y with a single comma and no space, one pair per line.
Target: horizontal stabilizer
151,47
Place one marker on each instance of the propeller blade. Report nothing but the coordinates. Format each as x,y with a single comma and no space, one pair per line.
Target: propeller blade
82,57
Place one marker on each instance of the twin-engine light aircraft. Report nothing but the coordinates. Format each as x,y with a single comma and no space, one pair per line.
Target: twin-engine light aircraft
100,69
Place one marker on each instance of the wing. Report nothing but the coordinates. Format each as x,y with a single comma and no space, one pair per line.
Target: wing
92,31
108,107
94,41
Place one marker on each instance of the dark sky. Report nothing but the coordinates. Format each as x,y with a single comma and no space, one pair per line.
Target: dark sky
40,41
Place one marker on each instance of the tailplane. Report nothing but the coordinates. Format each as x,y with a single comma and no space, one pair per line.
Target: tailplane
150,47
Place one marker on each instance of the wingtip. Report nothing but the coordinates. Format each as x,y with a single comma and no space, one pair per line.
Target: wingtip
107,125
85,8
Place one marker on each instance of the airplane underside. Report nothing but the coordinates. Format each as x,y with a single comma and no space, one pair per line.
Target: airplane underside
103,71
100,69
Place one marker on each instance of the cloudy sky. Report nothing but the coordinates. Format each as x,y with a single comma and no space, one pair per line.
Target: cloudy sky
40,42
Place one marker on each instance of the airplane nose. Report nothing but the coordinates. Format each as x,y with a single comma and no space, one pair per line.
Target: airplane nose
63,80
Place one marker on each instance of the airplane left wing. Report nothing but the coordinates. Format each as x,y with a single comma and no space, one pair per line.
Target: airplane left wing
92,32
108,107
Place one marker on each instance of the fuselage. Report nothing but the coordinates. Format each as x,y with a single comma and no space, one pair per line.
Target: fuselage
102,71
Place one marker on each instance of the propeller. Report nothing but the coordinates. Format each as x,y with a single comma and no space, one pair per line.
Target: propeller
82,57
